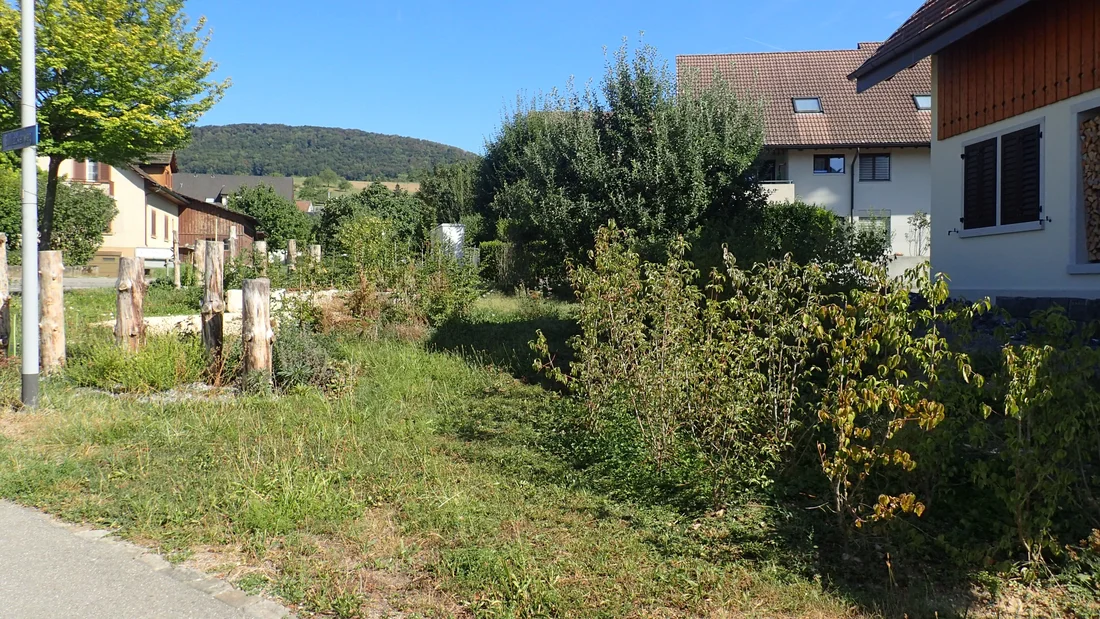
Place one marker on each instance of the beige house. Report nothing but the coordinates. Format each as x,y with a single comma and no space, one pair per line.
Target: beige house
148,211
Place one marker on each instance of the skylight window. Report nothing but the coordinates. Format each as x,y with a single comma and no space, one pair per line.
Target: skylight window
807,105
923,102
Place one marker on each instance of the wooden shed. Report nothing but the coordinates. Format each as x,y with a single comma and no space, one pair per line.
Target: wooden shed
204,221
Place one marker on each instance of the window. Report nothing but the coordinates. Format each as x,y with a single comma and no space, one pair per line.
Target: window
876,220
153,226
1002,181
91,171
923,102
767,170
828,164
874,167
807,105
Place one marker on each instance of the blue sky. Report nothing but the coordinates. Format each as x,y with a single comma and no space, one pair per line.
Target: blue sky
447,71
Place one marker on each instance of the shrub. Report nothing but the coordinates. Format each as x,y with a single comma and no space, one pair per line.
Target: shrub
302,359
163,363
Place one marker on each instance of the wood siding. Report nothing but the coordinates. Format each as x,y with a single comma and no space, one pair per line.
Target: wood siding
200,221
1043,53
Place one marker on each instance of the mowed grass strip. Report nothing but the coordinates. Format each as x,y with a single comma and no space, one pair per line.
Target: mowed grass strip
371,502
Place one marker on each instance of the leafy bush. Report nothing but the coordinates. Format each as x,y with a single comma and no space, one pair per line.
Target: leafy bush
302,359
163,363
277,217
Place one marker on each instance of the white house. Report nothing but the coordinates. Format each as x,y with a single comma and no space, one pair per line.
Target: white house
864,156
1015,155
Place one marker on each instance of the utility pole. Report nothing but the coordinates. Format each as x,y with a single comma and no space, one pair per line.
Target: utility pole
30,214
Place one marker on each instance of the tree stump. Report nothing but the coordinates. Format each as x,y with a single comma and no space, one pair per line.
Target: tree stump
198,261
51,286
176,259
291,255
259,257
5,298
256,333
213,302
130,317
233,243
315,254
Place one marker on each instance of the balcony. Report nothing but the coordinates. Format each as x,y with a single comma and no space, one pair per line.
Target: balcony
779,191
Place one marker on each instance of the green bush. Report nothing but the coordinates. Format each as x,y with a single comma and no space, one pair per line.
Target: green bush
303,359
165,362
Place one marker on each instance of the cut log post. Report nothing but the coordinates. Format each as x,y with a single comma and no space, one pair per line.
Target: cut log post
5,298
213,300
130,317
1090,175
198,260
51,285
256,333
259,257
233,251
176,259
291,254
315,254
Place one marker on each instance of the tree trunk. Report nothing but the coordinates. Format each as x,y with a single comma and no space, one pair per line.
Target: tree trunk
213,305
176,259
51,284
45,219
315,254
5,298
233,243
130,318
199,258
259,257
256,332
291,254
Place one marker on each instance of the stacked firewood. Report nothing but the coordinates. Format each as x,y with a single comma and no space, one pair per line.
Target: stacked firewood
1090,168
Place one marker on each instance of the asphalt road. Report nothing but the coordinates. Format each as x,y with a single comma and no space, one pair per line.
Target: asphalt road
51,570
71,283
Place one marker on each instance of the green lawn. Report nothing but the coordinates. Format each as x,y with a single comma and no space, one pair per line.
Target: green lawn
426,491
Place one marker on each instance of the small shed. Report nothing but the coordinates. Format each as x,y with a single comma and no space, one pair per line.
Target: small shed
206,221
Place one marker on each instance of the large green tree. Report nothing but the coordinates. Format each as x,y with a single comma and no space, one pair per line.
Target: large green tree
410,218
276,217
117,80
449,189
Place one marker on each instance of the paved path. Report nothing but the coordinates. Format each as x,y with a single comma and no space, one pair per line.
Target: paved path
48,569
72,283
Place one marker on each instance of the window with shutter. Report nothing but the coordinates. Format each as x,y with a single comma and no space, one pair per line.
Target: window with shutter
980,185
874,167
1020,195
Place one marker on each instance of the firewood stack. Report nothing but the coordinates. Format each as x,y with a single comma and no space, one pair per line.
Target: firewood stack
1090,163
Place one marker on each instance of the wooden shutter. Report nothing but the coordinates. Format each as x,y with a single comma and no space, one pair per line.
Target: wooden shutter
980,185
1020,196
80,172
104,173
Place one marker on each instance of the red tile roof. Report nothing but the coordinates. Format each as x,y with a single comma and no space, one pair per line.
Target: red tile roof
887,115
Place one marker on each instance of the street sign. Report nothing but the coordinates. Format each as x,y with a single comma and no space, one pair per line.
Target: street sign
20,138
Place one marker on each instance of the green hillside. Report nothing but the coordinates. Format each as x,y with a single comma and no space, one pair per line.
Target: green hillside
263,150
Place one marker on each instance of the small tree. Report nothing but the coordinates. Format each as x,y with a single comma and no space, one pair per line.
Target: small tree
276,216
449,190
117,80
918,235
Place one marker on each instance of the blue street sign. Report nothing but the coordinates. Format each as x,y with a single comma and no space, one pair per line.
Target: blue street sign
20,138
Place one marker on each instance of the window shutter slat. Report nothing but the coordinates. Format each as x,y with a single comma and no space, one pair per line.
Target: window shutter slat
980,185
1020,173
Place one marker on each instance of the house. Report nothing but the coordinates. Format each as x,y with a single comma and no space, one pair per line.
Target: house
864,156
216,188
1015,152
304,205
150,212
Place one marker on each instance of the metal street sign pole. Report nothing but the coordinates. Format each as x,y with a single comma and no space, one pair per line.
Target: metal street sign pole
30,215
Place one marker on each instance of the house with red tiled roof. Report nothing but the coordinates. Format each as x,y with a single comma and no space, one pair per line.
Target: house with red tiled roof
864,156
1016,142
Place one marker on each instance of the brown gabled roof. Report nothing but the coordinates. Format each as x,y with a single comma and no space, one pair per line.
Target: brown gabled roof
935,25
887,116
151,184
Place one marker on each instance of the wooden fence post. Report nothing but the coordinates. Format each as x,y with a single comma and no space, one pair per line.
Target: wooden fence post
256,332
5,298
51,285
198,258
213,304
259,252
315,254
176,259
233,243
291,254
130,317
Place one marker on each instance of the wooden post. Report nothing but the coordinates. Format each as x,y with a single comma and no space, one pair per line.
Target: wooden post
315,254
51,285
213,304
5,298
130,317
259,252
233,243
198,258
176,259
291,254
256,332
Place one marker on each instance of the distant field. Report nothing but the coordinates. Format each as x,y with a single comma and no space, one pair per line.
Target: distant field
361,185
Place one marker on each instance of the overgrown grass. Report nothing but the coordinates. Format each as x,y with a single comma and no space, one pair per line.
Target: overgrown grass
165,362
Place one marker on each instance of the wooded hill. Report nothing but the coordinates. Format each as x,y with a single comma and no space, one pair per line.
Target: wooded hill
263,150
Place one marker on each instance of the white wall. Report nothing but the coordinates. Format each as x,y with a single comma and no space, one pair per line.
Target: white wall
1035,263
907,191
